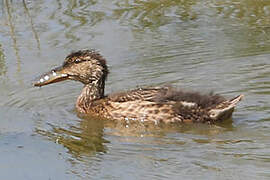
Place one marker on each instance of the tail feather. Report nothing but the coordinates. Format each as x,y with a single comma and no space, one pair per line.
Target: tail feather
235,100
225,109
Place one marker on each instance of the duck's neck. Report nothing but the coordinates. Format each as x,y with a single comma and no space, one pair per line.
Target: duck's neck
89,94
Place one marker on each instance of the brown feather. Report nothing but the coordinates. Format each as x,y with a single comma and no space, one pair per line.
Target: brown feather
155,104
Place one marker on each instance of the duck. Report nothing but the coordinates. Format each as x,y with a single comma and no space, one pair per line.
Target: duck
161,104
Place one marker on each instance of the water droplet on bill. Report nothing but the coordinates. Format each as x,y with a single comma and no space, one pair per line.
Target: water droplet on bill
46,77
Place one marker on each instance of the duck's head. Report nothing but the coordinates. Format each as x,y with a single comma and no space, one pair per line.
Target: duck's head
86,66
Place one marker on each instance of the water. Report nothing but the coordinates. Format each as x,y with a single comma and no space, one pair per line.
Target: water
200,45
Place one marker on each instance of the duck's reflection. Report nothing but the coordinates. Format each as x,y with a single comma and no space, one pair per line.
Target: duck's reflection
84,140
87,138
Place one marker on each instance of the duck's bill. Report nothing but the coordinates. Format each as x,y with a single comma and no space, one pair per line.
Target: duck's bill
51,77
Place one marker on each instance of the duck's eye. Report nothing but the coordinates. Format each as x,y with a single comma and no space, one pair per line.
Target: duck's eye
77,60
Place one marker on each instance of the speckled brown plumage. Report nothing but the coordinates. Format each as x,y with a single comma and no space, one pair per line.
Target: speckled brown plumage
156,104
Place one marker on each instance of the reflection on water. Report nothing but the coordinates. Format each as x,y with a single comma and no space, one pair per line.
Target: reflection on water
2,62
12,33
84,140
201,45
153,14
246,12
87,139
32,23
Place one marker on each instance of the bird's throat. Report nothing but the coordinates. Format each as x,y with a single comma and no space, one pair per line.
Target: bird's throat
90,93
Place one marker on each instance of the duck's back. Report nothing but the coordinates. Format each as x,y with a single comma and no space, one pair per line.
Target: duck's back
159,104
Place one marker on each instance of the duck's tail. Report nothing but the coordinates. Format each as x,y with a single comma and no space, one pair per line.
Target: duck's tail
225,109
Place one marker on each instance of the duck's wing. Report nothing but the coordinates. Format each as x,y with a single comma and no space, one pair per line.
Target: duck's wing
172,104
142,94
169,94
